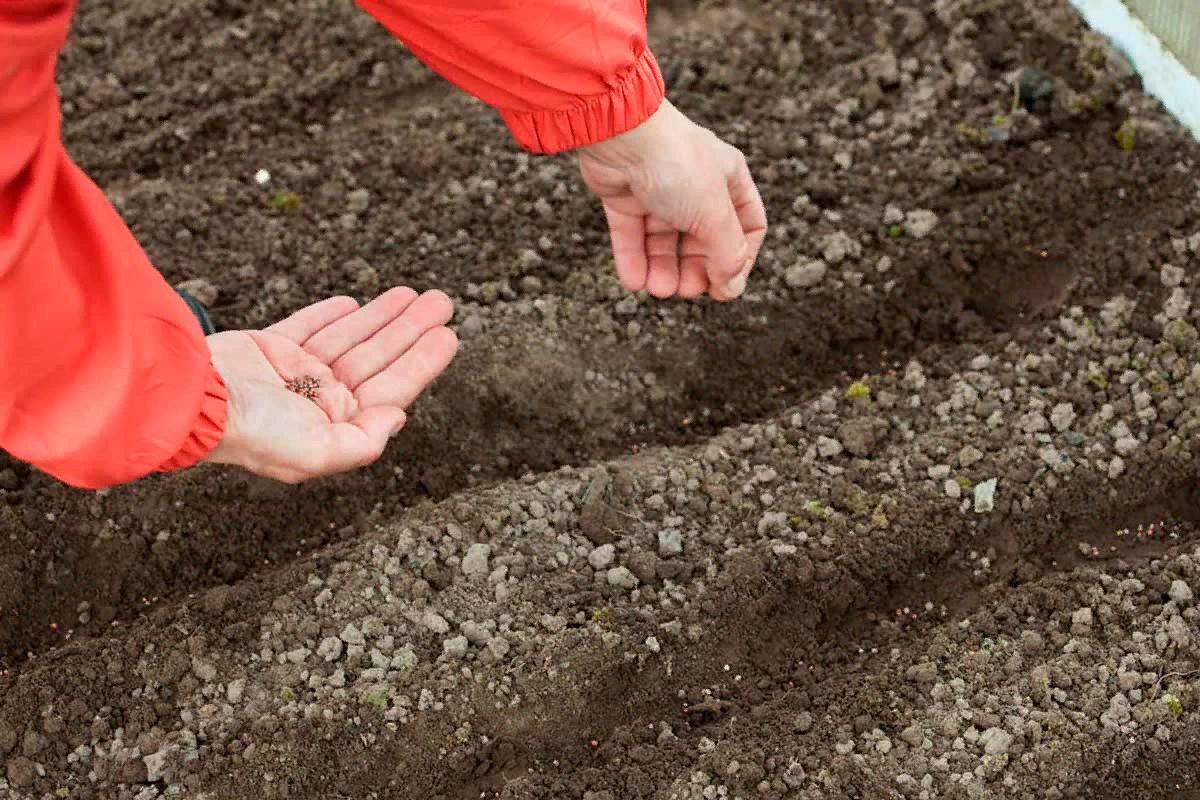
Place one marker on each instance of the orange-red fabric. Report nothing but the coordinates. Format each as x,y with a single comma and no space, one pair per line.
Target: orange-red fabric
105,375
562,73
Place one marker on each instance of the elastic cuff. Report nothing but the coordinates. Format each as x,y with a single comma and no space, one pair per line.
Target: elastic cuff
208,428
637,94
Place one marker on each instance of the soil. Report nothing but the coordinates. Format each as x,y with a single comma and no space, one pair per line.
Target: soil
628,548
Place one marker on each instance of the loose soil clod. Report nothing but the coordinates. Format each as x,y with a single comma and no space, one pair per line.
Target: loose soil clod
666,550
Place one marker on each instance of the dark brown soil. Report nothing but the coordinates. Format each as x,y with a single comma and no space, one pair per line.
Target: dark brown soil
172,108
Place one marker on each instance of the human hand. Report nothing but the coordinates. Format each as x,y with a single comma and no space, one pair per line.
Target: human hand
684,213
359,367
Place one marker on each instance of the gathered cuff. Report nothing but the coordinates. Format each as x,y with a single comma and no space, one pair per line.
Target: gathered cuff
209,427
636,96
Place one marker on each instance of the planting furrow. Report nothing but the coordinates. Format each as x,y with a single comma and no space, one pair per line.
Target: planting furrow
556,618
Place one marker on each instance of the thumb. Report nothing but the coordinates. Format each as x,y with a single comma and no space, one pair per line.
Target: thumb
363,439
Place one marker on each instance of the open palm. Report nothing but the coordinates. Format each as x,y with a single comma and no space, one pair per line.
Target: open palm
323,390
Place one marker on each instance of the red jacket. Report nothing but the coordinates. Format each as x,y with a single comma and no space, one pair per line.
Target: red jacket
104,372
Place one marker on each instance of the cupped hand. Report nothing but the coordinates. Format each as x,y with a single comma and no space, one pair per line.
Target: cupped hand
323,391
683,210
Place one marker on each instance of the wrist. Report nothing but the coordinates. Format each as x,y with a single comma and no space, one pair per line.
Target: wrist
629,149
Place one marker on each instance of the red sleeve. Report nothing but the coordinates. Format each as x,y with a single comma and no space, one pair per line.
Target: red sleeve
562,73
105,375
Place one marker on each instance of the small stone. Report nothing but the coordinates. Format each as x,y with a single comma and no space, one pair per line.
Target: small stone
455,647
805,274
553,623
939,472
828,448
20,772
602,556
499,647
235,690
920,223
1180,592
952,488
476,634
1061,416
475,562
1126,445
860,436
995,741
1171,276
330,648
1081,622
358,201
622,578
204,670
670,542
912,736
969,455
435,622
985,496
352,635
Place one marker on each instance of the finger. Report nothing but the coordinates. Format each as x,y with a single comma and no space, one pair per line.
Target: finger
628,233
748,203
402,382
368,358
662,258
333,341
693,281
736,211
348,445
310,319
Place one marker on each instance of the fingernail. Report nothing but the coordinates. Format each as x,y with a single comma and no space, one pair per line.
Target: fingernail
738,284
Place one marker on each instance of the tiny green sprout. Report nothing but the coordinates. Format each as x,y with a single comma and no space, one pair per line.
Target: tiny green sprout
1000,120
1173,704
599,613
62,791
796,521
1099,380
287,694
1125,137
378,698
963,481
858,389
895,231
284,201
984,221
1158,387
815,507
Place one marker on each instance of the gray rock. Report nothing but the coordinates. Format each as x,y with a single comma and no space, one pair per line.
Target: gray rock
920,223
670,542
455,647
860,436
476,634
352,635
475,562
1180,592
828,448
435,622
602,556
805,274
995,741
622,578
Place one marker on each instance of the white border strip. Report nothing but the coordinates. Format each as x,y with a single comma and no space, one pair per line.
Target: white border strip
1163,76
